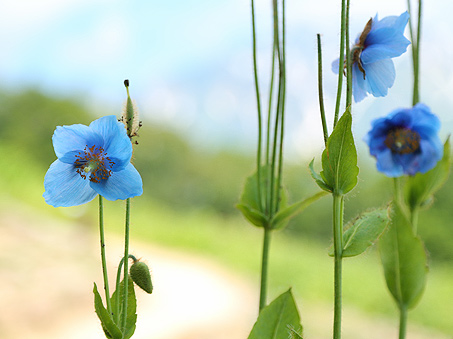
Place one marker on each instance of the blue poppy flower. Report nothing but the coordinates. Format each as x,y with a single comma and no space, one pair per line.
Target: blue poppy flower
406,141
92,160
372,69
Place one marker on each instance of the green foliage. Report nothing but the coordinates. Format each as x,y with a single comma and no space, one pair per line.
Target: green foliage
111,324
131,317
404,259
318,179
339,159
278,319
421,187
363,232
283,216
251,206
111,330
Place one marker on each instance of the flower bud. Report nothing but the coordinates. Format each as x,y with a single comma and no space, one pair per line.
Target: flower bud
130,116
139,272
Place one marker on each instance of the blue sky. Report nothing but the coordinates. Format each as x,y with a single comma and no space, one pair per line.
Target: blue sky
189,62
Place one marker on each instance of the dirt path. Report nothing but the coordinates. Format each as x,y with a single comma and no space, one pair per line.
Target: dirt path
47,272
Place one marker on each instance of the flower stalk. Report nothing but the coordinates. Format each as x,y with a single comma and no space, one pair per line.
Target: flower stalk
103,260
338,214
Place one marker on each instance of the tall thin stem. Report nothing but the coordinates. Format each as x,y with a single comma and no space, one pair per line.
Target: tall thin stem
320,91
282,115
341,62
348,61
264,267
415,40
258,103
104,262
126,262
338,211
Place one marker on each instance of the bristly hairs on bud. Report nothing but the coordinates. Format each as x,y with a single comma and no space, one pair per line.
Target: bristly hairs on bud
130,116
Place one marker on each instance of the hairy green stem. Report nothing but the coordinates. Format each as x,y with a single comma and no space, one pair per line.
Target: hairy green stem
125,262
338,212
320,91
104,262
118,281
258,103
264,267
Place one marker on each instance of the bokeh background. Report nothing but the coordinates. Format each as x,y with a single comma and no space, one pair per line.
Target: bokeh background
190,68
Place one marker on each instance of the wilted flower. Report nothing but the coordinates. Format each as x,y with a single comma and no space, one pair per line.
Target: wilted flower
373,70
92,160
406,141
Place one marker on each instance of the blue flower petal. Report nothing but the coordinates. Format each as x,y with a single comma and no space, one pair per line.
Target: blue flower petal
425,123
120,185
64,187
336,66
387,164
75,137
116,142
380,76
359,85
432,151
386,39
398,23
387,46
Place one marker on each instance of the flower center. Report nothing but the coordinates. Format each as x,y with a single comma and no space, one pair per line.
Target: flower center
93,161
402,140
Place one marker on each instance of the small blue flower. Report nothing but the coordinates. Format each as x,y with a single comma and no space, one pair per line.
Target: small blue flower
373,70
406,141
91,160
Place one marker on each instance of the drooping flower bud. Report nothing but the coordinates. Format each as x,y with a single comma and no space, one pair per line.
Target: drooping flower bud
139,272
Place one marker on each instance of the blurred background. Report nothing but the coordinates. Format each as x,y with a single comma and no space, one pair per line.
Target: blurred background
190,68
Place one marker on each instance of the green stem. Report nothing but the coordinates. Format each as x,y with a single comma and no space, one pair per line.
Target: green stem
282,115
338,211
258,103
320,91
118,281
403,322
348,61
272,201
125,262
415,49
398,197
264,267
271,90
341,65
104,262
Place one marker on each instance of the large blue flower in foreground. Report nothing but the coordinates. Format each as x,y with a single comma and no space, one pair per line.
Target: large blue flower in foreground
91,160
406,141
373,70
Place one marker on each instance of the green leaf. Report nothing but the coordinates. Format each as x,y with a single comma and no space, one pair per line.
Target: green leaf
255,217
363,232
277,319
131,317
404,259
421,187
339,159
282,217
318,179
110,329
249,203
